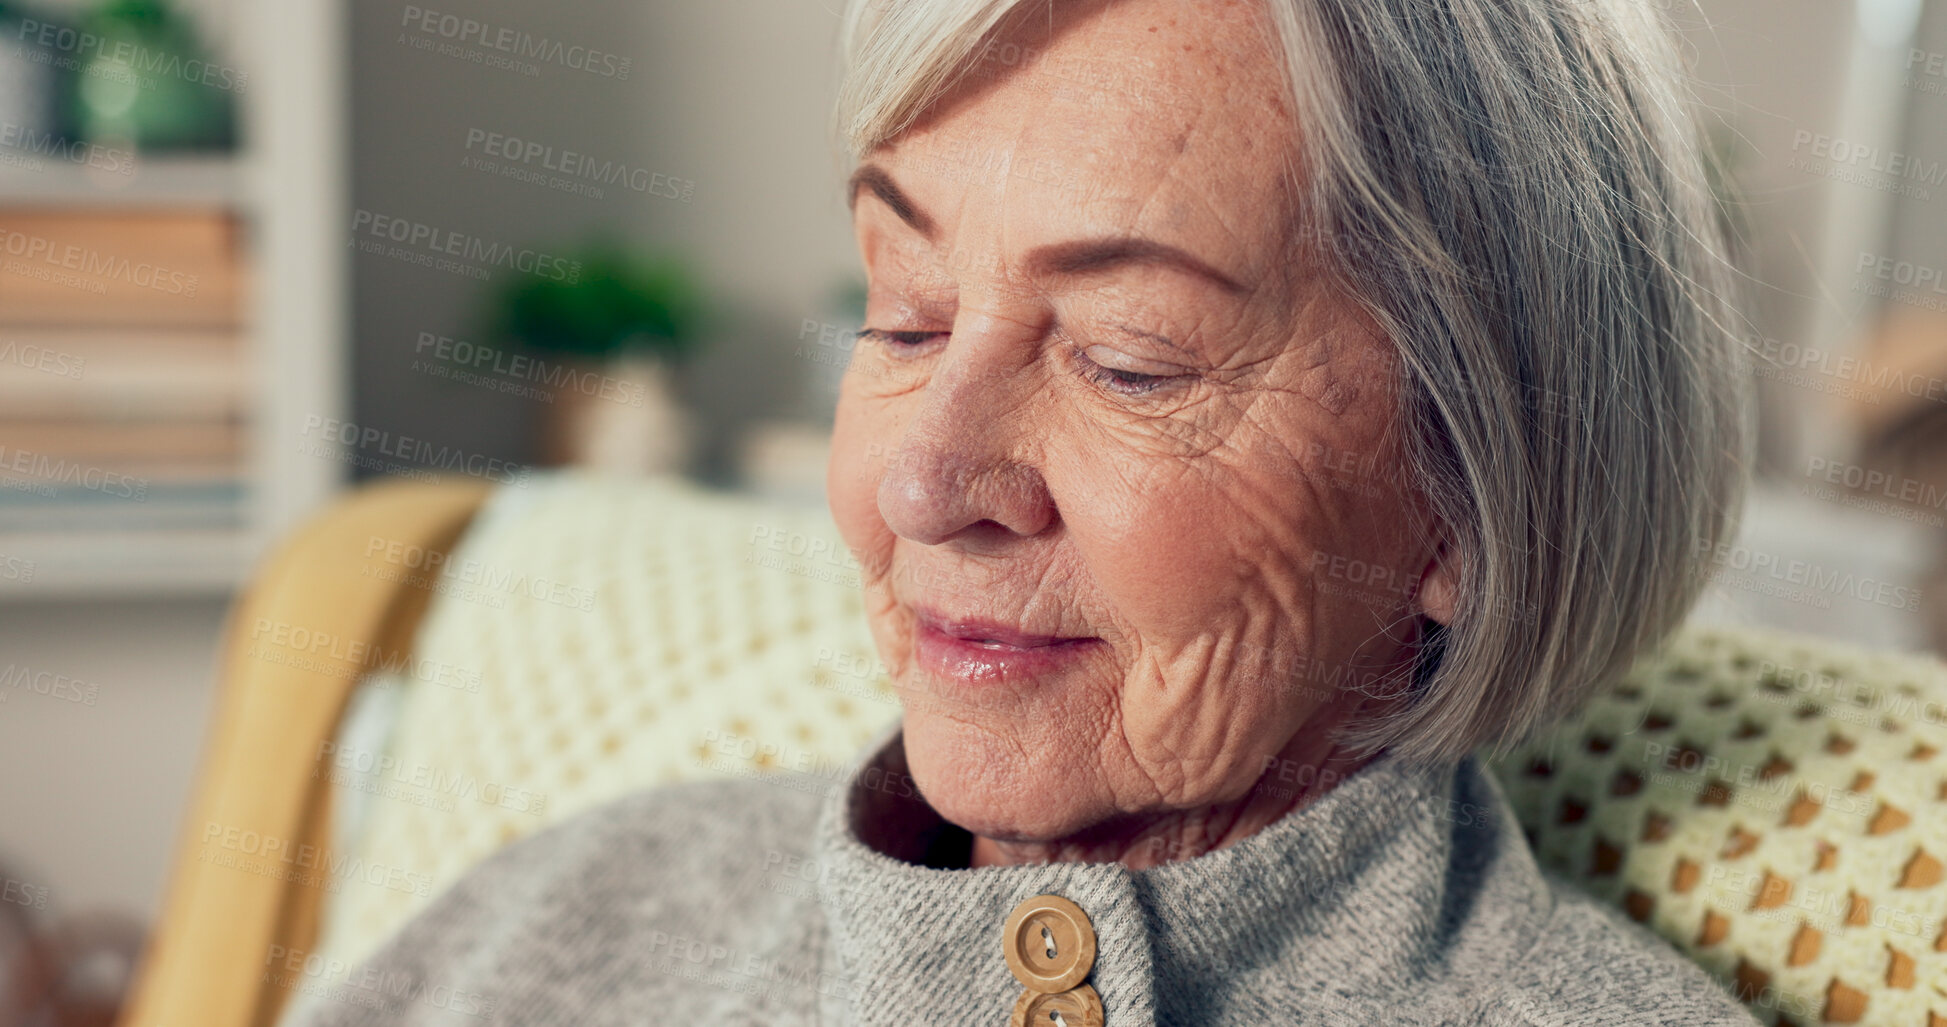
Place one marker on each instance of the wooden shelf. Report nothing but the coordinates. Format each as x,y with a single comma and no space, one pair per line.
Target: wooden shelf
72,565
289,186
213,180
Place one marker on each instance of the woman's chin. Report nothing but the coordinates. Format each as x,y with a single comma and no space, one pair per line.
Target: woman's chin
978,781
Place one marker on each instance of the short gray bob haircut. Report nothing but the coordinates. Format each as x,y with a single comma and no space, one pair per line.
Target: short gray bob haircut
1516,191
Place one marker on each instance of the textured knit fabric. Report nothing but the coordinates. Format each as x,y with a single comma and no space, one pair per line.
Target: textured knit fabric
1774,806
1402,896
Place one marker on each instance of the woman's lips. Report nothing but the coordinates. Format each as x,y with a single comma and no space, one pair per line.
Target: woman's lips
974,650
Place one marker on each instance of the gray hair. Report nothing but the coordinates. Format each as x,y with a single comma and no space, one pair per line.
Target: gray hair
1516,192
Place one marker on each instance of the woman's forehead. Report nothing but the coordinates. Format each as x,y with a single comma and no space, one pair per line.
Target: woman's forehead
1147,117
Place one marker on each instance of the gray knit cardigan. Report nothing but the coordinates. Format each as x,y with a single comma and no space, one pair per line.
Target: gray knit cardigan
1402,896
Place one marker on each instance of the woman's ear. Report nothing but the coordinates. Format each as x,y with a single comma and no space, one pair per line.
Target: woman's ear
1439,590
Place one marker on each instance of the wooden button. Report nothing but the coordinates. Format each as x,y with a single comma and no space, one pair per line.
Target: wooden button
1076,1007
1049,944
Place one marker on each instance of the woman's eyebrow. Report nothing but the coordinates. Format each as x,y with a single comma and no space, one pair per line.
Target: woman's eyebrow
876,179
1081,256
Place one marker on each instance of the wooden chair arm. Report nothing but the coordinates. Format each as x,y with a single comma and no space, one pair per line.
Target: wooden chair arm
333,601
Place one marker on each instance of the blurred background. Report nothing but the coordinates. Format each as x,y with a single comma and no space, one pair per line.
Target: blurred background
252,254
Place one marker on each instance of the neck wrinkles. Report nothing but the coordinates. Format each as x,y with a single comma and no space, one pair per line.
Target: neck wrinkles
1310,765
1305,771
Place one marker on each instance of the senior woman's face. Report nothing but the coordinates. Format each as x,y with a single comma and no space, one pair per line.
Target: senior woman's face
1097,460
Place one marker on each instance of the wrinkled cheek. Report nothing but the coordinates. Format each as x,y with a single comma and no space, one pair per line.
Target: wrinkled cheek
1216,606
858,463
1167,587
852,478
1189,569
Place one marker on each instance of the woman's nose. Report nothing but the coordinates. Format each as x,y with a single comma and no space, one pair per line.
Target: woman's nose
958,473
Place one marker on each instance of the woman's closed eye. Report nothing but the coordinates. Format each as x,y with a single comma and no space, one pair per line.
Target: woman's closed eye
1129,375
899,339
1110,368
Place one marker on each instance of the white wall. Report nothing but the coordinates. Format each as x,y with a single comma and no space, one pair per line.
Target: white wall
732,94
92,795
1777,71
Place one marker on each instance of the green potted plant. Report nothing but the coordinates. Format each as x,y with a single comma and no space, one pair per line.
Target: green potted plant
604,341
149,81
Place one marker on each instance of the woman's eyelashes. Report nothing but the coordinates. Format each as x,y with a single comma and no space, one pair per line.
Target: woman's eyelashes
1130,376
898,339
1111,369
1122,381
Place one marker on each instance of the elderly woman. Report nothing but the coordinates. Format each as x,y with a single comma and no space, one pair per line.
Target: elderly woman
1263,405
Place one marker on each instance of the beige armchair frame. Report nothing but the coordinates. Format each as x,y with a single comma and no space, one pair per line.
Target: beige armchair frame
280,695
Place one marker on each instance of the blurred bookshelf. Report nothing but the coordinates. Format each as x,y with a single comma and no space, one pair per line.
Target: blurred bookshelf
161,180
168,323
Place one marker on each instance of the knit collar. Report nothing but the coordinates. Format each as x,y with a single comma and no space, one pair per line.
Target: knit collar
1369,898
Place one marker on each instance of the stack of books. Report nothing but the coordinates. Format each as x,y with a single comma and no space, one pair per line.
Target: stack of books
123,391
